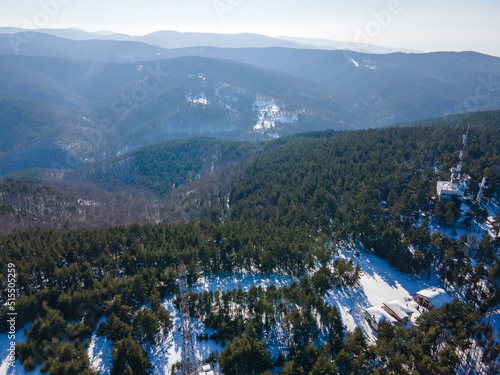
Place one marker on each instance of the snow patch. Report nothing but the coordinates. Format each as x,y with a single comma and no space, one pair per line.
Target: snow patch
269,115
17,369
372,65
99,352
199,76
199,99
379,283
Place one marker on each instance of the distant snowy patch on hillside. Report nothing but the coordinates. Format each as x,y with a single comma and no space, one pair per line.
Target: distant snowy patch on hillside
199,76
269,115
198,99
372,65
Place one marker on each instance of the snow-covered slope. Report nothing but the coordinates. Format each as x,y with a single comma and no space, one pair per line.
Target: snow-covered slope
17,368
168,351
270,115
380,282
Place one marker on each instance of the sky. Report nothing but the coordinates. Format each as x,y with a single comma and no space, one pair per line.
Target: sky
421,25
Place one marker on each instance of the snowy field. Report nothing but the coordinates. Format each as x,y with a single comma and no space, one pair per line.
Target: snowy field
379,283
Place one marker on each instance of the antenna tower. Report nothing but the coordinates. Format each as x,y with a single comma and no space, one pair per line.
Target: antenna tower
189,362
482,186
455,172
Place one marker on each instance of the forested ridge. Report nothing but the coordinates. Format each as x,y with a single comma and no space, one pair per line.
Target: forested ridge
174,181
288,209
163,166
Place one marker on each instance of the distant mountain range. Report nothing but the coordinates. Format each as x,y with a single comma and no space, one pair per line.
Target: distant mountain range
175,39
87,97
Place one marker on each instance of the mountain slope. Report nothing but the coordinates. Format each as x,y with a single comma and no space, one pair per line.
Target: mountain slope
163,39
394,87
110,51
175,39
120,107
162,167
173,181
349,46
108,109
305,178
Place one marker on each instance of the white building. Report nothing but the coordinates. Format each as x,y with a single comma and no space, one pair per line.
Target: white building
205,370
399,310
447,189
376,315
433,298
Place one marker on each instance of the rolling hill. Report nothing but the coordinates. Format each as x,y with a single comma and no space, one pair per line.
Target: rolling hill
394,87
108,51
305,177
104,110
80,101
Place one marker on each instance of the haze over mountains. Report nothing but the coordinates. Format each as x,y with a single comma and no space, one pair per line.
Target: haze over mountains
175,39
69,97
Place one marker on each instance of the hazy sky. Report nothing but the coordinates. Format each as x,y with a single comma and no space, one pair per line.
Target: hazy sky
422,25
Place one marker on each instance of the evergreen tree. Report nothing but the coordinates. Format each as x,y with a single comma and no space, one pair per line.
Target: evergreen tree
245,356
130,358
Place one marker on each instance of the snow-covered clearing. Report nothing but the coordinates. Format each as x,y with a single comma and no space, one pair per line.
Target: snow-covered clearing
380,282
198,99
17,369
269,115
168,351
99,352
